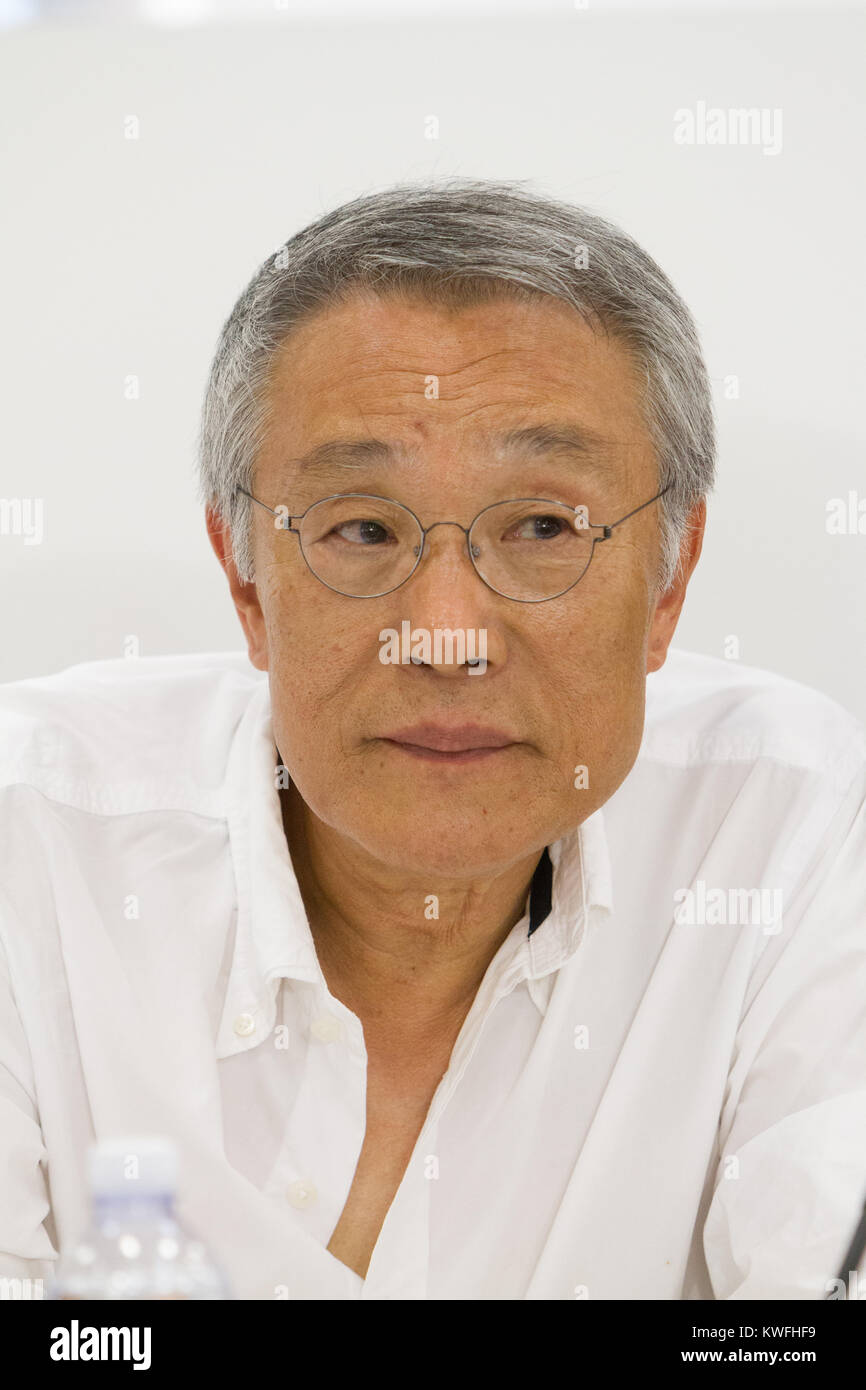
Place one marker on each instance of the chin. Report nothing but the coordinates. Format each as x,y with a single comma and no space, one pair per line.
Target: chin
444,847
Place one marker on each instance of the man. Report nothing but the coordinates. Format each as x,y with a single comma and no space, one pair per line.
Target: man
531,967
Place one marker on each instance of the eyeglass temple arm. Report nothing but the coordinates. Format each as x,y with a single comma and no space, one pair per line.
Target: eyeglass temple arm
263,505
256,500
609,526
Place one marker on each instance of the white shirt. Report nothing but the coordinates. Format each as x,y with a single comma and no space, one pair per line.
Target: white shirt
638,1106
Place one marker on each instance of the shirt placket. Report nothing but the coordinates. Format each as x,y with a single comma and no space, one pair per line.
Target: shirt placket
400,1261
324,1132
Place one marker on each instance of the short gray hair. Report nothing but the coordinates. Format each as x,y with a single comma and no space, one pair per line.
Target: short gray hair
460,242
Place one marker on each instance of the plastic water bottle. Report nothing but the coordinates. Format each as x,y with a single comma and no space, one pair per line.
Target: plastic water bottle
135,1247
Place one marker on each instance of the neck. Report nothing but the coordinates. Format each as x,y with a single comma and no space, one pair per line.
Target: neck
406,974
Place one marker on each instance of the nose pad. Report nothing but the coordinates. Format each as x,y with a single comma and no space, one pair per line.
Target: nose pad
474,550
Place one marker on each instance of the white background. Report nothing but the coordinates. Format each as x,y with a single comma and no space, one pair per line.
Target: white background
124,257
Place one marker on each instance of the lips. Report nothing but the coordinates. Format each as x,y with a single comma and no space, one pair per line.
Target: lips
457,739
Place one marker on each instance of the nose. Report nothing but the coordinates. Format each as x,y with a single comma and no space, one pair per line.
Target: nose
445,595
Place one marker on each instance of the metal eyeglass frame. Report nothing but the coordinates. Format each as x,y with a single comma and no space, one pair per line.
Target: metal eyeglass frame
606,528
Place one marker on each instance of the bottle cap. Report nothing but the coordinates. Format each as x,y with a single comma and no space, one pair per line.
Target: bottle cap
133,1166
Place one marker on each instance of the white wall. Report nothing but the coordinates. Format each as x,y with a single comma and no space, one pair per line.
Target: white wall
124,257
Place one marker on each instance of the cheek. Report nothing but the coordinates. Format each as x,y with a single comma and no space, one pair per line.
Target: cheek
592,668
599,630
313,642
313,676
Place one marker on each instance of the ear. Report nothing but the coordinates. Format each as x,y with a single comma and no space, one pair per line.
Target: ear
244,596
669,604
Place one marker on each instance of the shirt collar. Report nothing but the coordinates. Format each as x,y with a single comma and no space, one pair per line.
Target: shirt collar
581,896
272,934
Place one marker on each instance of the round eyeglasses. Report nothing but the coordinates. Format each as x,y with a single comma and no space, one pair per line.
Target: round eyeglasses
529,549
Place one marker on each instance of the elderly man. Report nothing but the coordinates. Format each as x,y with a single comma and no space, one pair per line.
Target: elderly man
460,959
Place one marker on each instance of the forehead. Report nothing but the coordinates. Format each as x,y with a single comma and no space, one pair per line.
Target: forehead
436,375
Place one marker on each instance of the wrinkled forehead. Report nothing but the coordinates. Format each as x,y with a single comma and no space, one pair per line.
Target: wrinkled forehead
401,382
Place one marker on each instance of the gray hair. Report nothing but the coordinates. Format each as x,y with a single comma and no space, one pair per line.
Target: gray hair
460,242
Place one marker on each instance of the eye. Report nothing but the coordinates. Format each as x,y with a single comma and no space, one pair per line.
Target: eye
538,528
361,531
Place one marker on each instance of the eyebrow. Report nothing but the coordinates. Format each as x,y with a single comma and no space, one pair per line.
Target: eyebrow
564,439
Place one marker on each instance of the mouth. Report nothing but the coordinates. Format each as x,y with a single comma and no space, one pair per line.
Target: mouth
438,743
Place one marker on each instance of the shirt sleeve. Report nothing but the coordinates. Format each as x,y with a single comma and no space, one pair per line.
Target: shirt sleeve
26,1250
791,1177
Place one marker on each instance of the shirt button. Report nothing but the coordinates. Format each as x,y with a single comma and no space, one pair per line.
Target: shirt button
244,1025
301,1193
326,1028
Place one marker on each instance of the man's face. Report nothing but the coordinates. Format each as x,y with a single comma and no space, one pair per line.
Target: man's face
565,679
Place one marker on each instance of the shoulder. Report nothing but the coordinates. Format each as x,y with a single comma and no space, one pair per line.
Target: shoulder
107,734
702,709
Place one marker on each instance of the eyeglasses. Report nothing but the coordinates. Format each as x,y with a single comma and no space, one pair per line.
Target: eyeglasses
529,549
